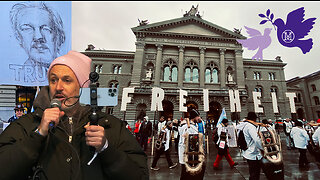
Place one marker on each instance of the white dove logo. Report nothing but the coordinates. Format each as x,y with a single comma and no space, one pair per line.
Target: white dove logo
287,36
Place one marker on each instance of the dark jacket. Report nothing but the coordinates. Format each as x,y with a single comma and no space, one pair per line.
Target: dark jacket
21,148
146,129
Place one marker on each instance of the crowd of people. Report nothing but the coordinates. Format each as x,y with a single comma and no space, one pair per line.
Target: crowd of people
300,135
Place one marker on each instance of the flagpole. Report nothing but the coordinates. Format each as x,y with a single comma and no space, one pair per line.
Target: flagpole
153,131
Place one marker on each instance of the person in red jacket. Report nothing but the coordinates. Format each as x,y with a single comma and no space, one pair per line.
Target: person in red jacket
137,129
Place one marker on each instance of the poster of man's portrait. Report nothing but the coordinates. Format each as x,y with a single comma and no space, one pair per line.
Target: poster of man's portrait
33,34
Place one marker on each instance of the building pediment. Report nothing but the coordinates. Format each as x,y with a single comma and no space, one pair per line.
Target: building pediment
191,29
190,25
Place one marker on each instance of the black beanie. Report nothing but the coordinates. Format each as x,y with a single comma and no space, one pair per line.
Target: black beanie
193,113
224,121
252,116
298,123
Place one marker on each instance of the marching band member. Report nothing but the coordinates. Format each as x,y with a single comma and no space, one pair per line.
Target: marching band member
252,154
175,129
316,140
188,129
223,145
161,124
164,149
287,127
316,137
300,138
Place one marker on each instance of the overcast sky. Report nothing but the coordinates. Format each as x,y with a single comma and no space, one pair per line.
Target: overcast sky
107,25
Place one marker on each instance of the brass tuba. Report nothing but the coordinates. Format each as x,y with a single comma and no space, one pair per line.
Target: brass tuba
158,144
272,162
194,153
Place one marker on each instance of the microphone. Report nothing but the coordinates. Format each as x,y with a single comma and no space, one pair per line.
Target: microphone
54,103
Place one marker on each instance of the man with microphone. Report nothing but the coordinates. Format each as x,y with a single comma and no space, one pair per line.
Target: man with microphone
56,141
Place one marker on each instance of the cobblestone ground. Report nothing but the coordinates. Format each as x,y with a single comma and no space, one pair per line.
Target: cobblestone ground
290,159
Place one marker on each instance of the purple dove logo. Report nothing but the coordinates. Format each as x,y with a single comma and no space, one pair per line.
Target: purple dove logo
257,41
296,28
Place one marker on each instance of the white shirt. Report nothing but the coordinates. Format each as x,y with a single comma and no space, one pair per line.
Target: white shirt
222,129
300,137
182,131
253,141
168,138
288,126
316,137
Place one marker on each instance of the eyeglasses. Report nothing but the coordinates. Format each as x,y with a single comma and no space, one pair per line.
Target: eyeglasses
19,110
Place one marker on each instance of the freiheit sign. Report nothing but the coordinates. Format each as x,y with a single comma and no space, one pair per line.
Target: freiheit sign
234,100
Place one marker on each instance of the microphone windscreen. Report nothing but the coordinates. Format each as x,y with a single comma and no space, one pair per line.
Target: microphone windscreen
55,103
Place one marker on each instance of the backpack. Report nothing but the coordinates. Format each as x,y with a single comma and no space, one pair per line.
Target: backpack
241,141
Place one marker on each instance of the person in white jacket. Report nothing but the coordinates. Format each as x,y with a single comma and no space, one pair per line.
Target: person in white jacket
316,137
164,149
300,138
253,153
316,140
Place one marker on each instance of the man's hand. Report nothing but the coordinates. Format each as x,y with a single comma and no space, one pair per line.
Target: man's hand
49,115
95,136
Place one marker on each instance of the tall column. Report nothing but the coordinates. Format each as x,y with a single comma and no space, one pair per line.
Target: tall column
202,68
137,64
180,66
239,69
158,65
222,69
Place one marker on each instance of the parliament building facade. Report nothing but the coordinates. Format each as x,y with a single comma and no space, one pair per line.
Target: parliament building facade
191,54
307,90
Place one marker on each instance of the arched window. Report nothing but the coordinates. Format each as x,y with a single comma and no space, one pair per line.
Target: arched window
187,75
98,68
256,75
259,89
316,100
215,75
195,75
314,88
211,73
117,69
208,75
166,73
170,71
274,89
272,76
174,74
114,84
191,73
